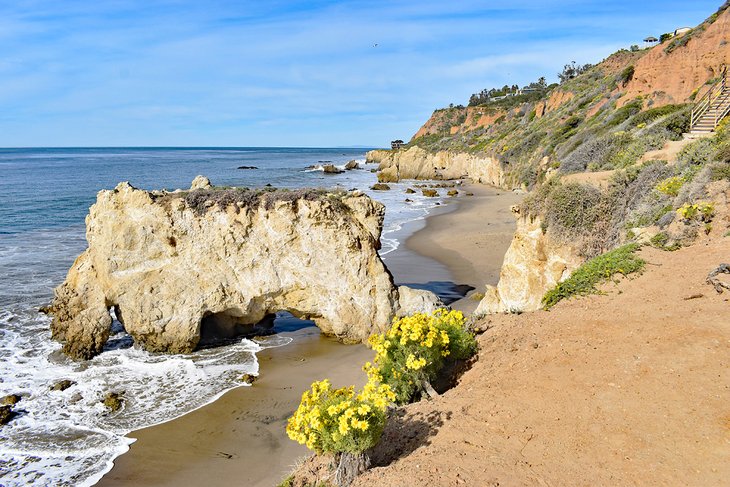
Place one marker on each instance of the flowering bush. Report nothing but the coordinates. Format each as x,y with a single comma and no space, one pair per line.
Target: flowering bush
703,211
416,348
670,186
338,420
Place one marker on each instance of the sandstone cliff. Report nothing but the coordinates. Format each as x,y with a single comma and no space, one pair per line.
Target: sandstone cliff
533,264
682,65
417,163
213,262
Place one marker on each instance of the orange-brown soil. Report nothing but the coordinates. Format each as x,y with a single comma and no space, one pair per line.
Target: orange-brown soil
627,388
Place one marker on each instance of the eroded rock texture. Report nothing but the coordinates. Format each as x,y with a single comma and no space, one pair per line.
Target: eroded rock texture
177,265
533,264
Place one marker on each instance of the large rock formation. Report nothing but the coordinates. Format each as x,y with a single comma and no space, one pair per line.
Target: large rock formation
417,163
533,264
175,266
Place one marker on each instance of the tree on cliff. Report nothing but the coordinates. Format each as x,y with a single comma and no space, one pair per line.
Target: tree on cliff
573,70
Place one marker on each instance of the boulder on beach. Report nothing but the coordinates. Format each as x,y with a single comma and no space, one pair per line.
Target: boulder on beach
417,301
410,191
380,187
430,193
352,165
452,192
212,263
249,378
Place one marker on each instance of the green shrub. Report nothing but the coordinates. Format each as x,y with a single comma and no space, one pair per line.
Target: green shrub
677,123
625,112
583,281
569,209
722,153
648,116
660,241
670,186
626,75
697,153
720,172
416,348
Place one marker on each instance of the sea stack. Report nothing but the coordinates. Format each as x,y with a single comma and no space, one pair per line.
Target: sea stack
175,266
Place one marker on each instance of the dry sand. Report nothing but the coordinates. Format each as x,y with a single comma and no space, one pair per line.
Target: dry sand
239,439
470,237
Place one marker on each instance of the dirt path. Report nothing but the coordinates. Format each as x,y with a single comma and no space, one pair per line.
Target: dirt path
627,388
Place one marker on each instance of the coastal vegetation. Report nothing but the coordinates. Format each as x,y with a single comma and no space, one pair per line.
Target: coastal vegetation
411,354
345,424
587,277
203,199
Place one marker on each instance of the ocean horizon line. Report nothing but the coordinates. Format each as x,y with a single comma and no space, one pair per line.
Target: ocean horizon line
183,147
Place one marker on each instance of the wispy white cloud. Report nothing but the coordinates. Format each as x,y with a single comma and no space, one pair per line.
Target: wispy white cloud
286,72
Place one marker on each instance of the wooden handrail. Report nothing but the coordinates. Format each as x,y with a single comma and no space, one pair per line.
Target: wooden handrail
716,91
720,115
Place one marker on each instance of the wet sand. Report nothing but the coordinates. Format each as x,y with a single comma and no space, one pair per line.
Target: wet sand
239,439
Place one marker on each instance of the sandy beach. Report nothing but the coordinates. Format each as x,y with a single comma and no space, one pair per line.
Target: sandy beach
239,439
469,237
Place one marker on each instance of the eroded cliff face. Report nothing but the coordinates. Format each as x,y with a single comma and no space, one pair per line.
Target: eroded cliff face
179,265
417,163
533,264
676,73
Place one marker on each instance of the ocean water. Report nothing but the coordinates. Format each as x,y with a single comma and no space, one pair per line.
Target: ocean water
68,437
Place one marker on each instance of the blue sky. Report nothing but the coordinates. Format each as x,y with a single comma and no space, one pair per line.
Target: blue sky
286,73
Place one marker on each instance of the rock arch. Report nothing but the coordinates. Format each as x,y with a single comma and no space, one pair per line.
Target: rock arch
172,260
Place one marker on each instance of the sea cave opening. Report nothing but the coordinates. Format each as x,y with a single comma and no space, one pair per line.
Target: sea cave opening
229,326
119,339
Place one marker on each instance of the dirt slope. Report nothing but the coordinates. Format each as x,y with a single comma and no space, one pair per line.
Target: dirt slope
677,73
628,388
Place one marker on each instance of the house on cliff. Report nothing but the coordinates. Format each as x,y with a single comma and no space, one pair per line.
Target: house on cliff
396,144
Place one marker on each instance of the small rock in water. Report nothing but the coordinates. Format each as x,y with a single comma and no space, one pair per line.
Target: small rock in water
452,192
410,191
352,165
114,401
247,167
331,169
62,385
470,194
430,193
380,187
408,200
249,378
10,400
6,414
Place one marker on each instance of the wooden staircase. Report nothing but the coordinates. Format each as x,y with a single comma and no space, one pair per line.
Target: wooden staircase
711,108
